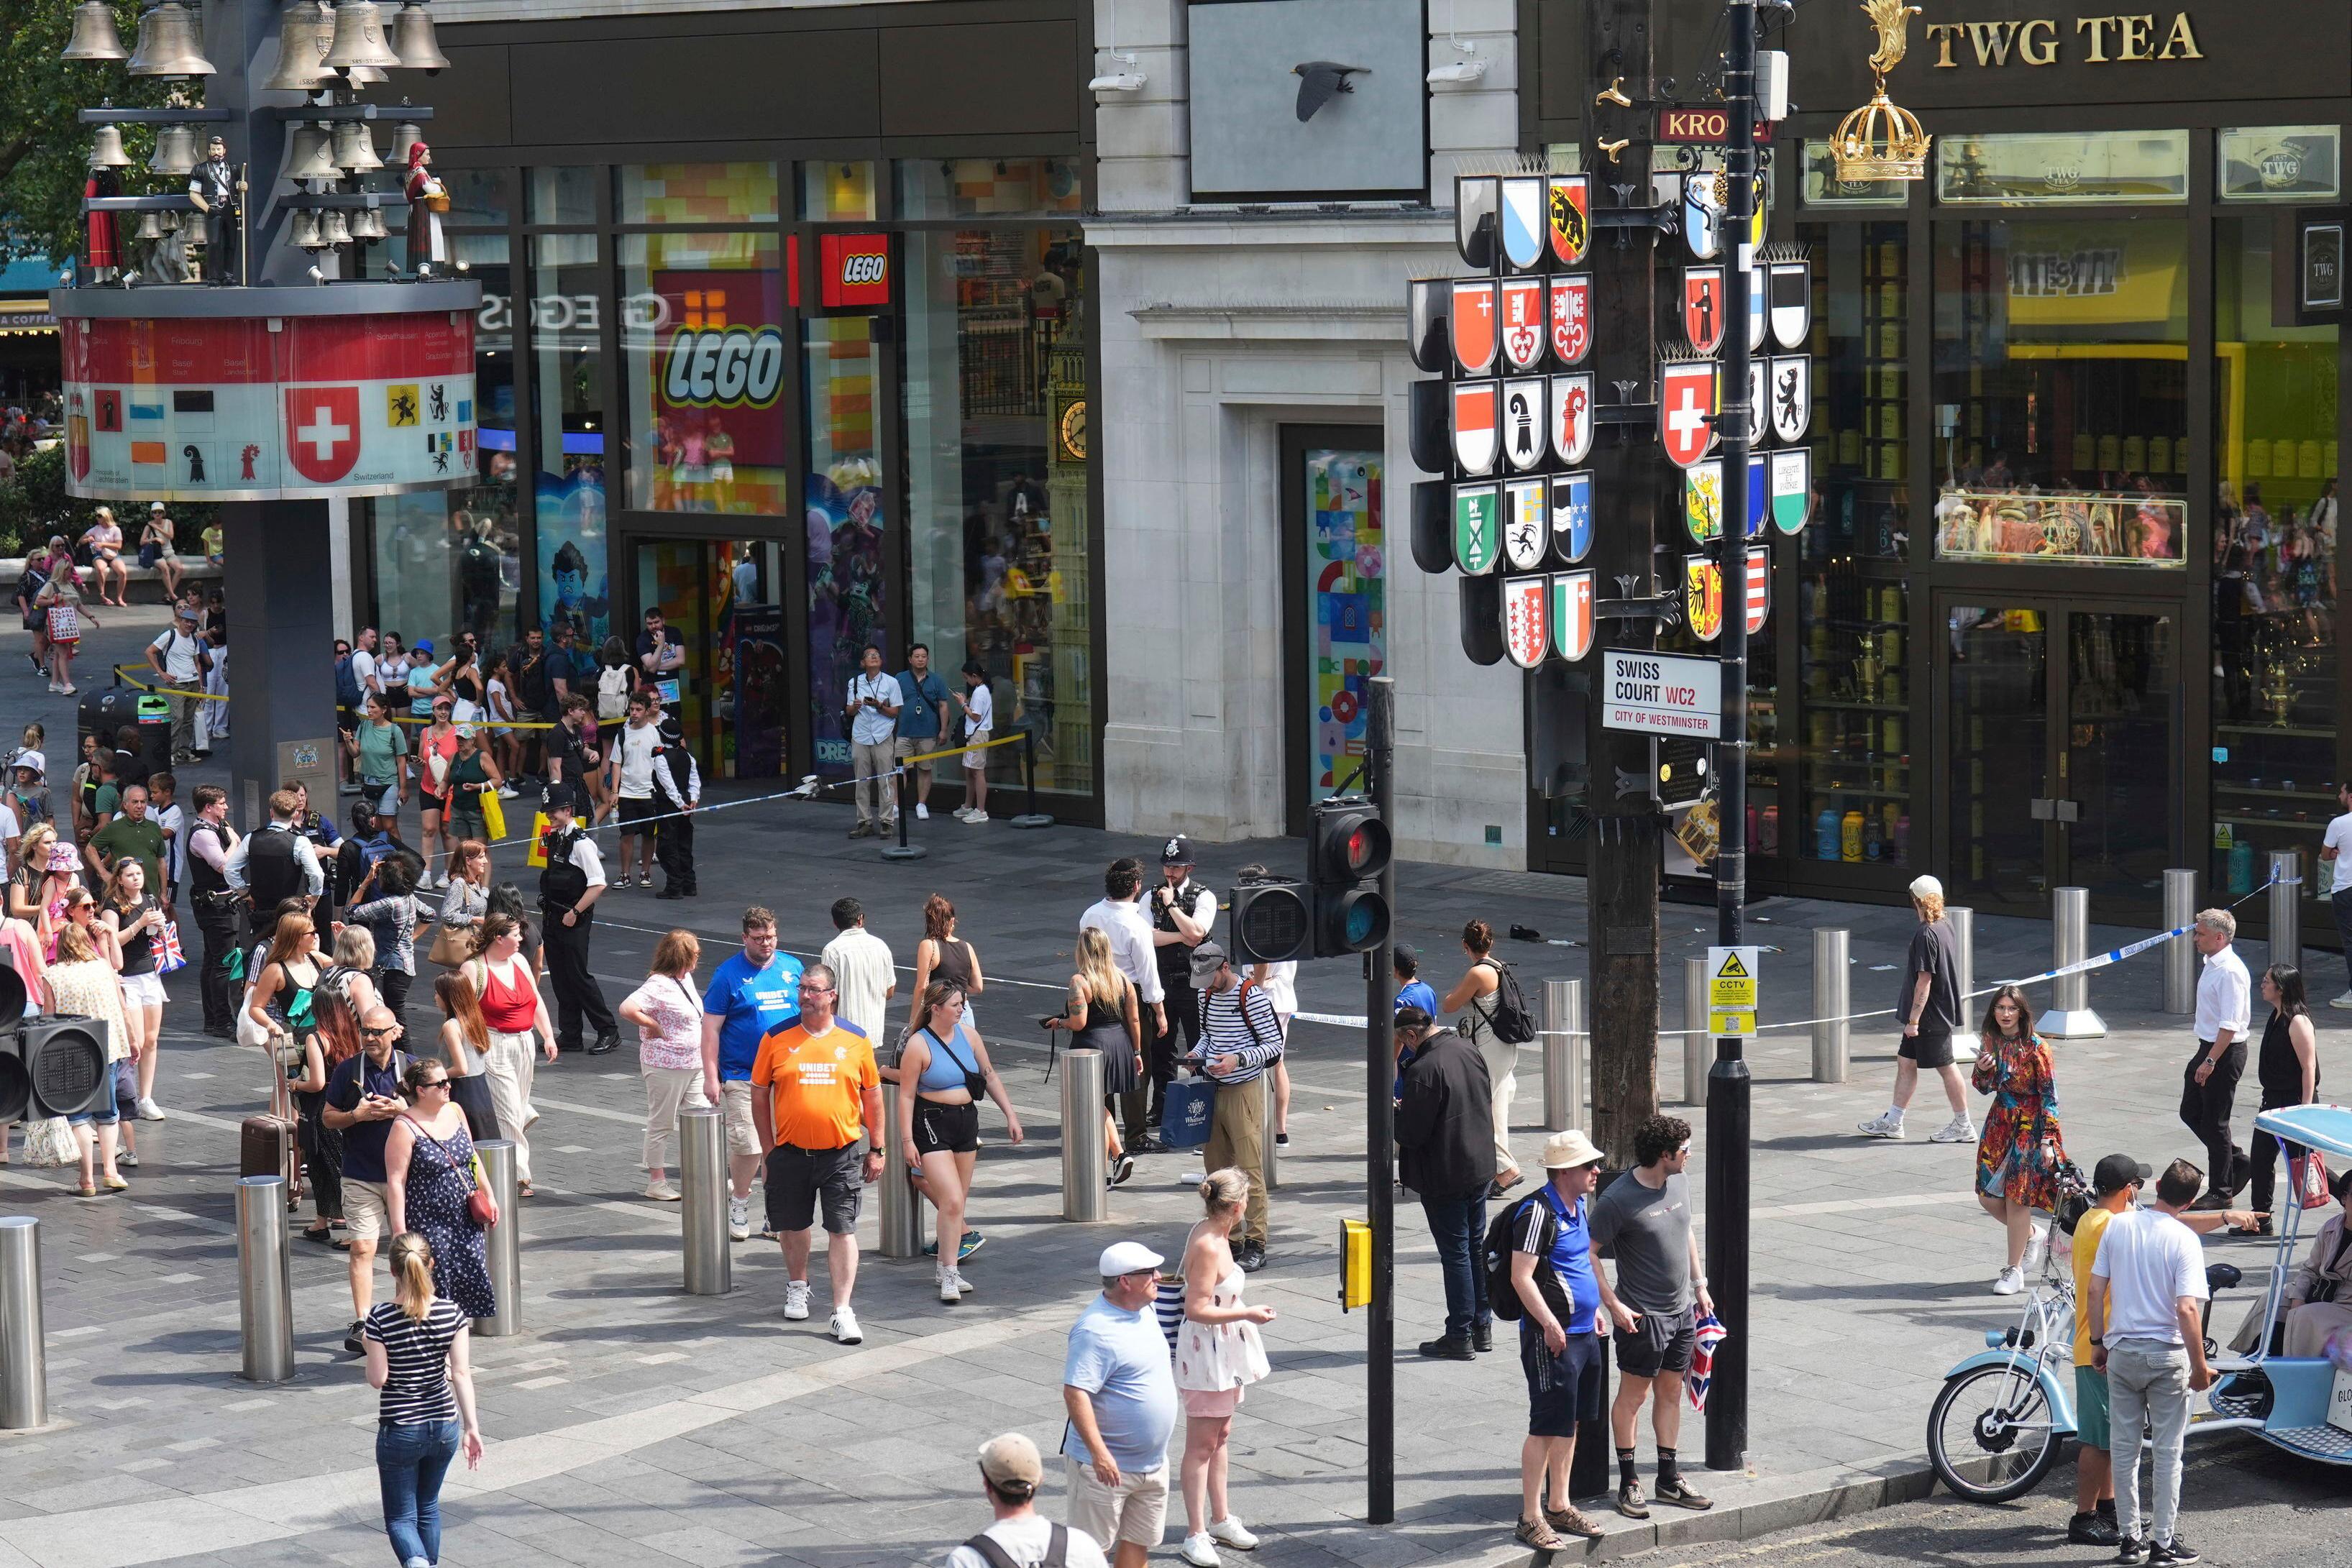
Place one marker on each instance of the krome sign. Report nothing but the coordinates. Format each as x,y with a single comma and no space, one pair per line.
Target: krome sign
2144,37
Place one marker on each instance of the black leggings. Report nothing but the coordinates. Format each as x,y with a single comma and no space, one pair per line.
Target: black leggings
322,1153
2265,1152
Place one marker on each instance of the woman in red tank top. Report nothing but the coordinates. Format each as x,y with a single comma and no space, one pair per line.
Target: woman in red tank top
513,1010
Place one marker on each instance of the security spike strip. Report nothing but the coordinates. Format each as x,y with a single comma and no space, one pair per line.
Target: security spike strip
1784,251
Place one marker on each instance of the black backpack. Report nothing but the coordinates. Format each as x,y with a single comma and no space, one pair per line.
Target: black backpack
1510,1022
1057,1549
1502,1240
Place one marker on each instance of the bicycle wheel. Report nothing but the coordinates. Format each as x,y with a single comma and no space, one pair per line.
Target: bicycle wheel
1989,1435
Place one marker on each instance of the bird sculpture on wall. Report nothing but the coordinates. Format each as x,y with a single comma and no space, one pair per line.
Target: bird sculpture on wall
1319,80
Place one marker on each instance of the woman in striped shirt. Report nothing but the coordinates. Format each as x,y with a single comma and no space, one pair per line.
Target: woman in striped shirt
416,1354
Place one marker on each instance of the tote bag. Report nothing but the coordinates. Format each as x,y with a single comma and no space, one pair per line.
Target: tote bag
1184,1116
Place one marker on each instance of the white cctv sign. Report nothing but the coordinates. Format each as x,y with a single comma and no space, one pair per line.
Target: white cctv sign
1661,694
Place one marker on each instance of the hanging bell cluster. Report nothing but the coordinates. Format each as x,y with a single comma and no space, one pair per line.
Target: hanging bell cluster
169,44
94,35
367,224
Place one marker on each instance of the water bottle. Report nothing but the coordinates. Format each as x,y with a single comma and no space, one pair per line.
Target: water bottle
1850,836
1825,834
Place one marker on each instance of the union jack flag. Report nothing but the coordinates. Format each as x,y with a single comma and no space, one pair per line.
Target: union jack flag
1711,1333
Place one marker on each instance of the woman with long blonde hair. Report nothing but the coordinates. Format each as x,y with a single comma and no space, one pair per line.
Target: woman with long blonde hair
418,1356
1218,1355
1104,1014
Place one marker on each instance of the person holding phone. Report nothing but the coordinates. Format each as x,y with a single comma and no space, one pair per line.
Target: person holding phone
363,1099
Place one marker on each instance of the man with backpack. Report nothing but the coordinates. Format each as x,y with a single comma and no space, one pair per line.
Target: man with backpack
180,657
1241,1040
567,891
1555,1288
1011,1471
1446,1155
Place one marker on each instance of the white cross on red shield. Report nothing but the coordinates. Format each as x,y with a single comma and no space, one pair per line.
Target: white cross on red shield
1686,408
322,432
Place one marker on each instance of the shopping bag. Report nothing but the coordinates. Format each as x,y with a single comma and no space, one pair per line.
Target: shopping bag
168,957
1184,1117
49,1143
494,815
538,825
2309,1173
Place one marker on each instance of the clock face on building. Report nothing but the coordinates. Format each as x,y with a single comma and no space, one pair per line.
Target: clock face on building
1072,430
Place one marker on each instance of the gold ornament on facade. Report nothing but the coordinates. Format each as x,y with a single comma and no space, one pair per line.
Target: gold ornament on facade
1882,140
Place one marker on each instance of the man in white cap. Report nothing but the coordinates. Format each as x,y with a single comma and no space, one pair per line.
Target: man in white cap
1119,1384
1929,1006
1562,1293
1010,1472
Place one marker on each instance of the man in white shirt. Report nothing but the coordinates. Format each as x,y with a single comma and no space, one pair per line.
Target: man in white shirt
872,715
863,969
2147,1285
178,655
1119,916
2209,1085
1011,1471
2331,854
633,777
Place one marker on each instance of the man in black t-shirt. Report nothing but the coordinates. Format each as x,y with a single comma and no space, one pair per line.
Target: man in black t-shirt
1929,1005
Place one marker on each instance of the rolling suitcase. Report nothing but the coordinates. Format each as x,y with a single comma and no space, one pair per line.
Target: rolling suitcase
268,1144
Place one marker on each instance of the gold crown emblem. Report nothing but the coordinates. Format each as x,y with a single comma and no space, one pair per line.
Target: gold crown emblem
1880,140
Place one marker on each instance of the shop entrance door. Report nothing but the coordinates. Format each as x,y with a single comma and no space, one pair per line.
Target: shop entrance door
723,600
2064,765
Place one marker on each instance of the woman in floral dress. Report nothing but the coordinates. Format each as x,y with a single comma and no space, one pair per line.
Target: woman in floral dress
2018,1156
430,1159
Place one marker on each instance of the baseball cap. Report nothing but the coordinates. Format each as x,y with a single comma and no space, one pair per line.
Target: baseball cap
1566,1151
1926,887
2116,1172
465,732
1125,1257
1177,850
1011,1462
34,760
1207,959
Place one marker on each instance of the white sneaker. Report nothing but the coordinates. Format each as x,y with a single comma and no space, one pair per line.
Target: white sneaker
1233,1532
976,816
961,812
508,791
2009,1283
661,1192
796,1300
739,1221
949,1291
2343,1001
923,814
1958,1130
148,1110
1886,1124
844,1327
1200,1552
2037,1247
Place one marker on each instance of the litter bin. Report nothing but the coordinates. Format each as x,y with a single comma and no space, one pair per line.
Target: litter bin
104,711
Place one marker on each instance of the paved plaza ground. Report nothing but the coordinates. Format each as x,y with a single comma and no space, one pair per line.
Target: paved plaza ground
629,1423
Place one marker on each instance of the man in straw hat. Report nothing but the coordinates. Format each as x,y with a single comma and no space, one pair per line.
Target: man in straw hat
1561,1291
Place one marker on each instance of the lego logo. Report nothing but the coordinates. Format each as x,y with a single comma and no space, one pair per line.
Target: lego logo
871,268
727,366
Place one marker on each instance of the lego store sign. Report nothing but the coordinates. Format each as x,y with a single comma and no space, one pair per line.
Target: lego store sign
2141,38
853,271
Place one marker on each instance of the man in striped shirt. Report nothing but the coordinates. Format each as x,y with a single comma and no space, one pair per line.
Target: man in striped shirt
1240,1040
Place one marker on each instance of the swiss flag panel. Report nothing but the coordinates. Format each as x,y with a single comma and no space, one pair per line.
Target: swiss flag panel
322,432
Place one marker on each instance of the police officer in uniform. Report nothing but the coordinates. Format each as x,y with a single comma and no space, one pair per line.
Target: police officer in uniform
1183,914
275,864
567,891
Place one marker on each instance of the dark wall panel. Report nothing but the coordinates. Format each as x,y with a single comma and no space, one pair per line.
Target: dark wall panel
697,88
470,104
996,79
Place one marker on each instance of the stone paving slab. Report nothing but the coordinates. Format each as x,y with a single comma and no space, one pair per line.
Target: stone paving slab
631,1423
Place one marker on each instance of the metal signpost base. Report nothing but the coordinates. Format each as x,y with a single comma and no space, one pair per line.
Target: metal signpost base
1564,1046
2069,1016
1832,982
2287,908
1697,1044
2180,953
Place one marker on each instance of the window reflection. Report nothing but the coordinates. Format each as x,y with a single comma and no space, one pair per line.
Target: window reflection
702,338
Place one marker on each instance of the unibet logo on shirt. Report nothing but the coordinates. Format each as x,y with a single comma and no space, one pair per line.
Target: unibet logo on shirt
816,1084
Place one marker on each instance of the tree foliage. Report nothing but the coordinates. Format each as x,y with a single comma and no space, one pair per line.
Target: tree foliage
44,146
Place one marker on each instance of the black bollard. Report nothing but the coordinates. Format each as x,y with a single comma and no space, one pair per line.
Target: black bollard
1032,817
902,850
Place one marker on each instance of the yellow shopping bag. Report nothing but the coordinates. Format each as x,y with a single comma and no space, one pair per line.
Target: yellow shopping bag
494,815
539,840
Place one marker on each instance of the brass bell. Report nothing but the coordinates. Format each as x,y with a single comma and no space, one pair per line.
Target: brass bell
361,76
106,149
170,222
94,36
359,38
367,224
404,135
169,44
412,40
304,230
312,156
333,229
355,147
176,151
151,226
301,39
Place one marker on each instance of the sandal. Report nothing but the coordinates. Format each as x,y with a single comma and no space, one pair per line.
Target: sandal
87,1189
522,1189
322,1236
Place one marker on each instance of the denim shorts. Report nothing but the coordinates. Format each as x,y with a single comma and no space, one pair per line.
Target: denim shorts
106,1112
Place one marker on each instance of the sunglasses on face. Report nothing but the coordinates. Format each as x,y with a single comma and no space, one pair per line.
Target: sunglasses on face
378,1033
434,1083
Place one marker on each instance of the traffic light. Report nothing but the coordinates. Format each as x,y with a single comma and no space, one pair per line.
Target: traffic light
1348,847
1272,922
49,1066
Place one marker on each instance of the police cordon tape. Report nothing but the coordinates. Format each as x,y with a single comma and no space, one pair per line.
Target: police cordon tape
2099,961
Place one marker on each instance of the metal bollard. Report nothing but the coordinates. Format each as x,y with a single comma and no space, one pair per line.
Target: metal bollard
1964,938
2287,908
1564,1055
902,1206
1832,1002
24,1356
503,1241
1031,817
2069,1016
702,1172
1086,1196
2180,953
264,1292
1269,1156
902,850
1698,1049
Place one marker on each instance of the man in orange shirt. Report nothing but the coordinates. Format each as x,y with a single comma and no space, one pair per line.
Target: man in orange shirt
824,1091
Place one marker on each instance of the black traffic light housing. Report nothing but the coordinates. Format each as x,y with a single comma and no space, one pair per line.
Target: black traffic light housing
49,1066
1272,922
1348,847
